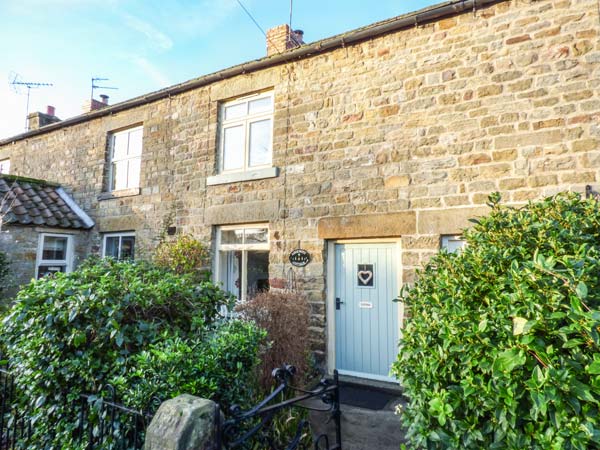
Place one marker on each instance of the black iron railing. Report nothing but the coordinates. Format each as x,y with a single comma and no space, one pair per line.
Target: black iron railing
102,423
254,428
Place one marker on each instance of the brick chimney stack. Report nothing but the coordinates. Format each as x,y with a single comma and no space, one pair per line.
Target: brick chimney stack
39,119
281,38
93,104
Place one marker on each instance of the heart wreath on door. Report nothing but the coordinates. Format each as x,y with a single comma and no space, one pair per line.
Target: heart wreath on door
365,275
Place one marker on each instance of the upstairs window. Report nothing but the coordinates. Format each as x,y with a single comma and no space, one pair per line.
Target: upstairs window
243,260
54,254
119,246
246,133
125,159
5,166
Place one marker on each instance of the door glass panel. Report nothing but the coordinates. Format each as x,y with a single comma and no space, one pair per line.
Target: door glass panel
232,236
258,272
233,148
55,248
260,143
256,236
230,270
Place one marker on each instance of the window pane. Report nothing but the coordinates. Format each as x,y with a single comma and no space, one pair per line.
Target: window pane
133,173
231,263
260,143
119,175
232,236
120,144
5,166
258,272
233,148
127,247
135,143
257,236
235,111
54,248
264,104
111,246
49,270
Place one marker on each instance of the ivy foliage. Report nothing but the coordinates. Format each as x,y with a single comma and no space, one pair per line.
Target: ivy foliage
146,331
502,349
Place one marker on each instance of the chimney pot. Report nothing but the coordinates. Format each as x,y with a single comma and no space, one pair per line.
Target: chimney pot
104,98
50,110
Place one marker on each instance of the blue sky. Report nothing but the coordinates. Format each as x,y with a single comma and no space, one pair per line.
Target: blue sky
145,45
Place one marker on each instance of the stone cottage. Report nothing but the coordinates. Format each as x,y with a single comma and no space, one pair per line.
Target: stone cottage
366,151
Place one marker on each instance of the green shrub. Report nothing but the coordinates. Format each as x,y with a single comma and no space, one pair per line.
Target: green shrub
503,348
183,255
146,331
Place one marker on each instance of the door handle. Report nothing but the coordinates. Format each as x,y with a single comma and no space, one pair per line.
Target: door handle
338,303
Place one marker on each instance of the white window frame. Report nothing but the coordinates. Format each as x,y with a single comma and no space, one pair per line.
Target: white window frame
244,248
112,160
120,235
446,239
245,121
5,166
67,263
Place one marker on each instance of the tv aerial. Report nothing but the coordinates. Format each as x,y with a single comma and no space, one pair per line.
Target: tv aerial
95,86
17,84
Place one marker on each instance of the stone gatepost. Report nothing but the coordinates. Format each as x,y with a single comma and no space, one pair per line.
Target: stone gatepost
183,423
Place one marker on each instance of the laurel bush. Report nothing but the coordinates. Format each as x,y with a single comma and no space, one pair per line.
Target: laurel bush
502,349
143,330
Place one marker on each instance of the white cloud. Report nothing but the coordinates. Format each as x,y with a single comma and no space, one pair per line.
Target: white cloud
151,70
155,36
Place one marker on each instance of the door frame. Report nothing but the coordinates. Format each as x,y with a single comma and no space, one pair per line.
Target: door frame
331,319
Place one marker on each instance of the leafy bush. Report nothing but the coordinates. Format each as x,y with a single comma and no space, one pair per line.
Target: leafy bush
146,331
184,255
503,347
285,317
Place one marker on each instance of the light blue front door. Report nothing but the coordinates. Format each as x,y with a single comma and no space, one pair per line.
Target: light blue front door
366,317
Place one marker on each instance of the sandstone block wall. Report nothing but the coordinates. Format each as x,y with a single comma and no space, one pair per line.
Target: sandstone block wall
426,121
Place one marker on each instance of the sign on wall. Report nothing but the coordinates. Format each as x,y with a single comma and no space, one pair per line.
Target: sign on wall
299,257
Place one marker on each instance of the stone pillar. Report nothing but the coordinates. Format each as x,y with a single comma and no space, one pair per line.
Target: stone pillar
183,423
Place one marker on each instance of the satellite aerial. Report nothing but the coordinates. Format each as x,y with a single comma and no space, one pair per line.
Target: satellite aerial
17,85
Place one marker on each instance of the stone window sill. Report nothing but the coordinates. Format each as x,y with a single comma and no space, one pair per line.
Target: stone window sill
119,194
258,174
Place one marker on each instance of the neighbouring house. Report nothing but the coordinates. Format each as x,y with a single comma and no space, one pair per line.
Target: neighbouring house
41,228
366,152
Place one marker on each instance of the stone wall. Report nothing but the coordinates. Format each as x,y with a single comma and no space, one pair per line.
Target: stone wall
417,126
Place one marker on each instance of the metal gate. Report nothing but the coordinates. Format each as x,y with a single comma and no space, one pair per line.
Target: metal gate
254,428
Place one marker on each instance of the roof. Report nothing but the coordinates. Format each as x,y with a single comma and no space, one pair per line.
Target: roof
27,201
405,21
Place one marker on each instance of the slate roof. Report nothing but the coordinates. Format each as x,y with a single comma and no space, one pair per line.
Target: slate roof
26,201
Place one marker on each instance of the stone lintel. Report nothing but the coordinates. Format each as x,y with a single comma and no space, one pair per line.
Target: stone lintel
262,211
118,223
448,221
367,226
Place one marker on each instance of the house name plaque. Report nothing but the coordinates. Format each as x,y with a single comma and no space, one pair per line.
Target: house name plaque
299,257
